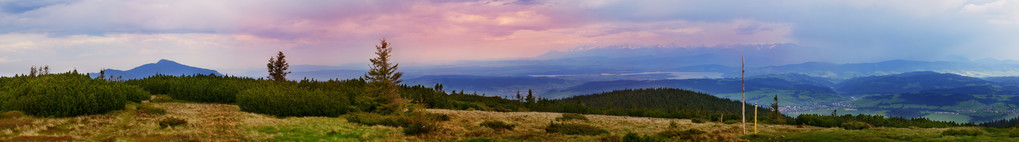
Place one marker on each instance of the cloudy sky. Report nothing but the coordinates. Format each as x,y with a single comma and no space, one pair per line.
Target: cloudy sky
238,36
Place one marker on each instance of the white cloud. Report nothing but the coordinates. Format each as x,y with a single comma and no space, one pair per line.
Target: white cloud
1002,12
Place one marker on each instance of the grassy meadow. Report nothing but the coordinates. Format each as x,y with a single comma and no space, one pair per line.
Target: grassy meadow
225,122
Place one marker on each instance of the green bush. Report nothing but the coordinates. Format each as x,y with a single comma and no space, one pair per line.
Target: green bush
291,100
172,122
498,125
65,94
149,109
413,124
962,132
420,123
12,114
571,116
856,125
372,119
686,134
731,121
573,129
161,98
198,88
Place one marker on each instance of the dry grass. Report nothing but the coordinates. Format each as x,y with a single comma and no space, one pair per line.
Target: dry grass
221,122
530,126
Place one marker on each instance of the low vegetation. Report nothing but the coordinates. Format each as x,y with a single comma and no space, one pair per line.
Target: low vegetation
962,132
874,120
498,125
198,88
573,129
280,100
12,114
571,116
172,122
161,99
632,137
149,109
684,134
856,125
65,94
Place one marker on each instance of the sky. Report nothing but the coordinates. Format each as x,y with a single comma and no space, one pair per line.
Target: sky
239,36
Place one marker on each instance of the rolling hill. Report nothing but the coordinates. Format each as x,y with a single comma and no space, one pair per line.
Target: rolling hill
792,89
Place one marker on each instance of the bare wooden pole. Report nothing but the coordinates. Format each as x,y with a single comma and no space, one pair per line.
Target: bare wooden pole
743,85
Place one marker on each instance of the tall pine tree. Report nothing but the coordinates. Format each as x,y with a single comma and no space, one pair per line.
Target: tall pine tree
383,79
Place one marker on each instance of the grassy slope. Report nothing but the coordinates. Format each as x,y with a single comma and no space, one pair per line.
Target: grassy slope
219,122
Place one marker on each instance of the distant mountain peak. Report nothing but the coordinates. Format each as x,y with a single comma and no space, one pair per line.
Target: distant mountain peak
165,61
163,66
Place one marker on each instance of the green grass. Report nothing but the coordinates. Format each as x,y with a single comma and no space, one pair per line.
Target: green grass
886,134
327,129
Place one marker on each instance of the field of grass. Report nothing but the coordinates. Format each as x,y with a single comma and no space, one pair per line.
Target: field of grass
222,122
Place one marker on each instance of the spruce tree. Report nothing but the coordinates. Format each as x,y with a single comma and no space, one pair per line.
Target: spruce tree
518,96
383,79
278,67
530,96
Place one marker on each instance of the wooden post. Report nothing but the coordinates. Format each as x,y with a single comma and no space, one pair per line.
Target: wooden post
743,85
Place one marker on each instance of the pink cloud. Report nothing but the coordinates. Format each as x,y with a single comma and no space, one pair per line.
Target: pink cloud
340,32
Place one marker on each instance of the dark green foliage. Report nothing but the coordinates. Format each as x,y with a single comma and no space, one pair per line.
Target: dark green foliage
291,100
198,88
161,98
856,125
12,114
573,129
65,94
571,116
149,109
1003,123
631,137
685,134
962,132
413,123
875,120
372,119
172,122
495,124
439,99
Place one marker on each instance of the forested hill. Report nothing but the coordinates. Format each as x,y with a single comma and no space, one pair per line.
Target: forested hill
662,102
